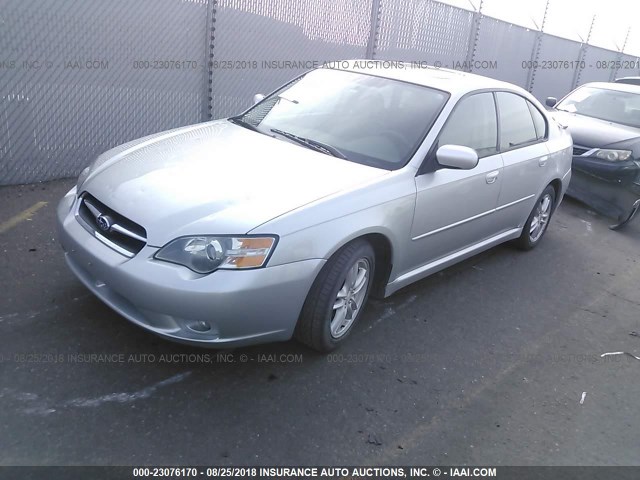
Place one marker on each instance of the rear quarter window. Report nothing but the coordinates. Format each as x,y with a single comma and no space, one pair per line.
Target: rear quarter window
517,127
538,121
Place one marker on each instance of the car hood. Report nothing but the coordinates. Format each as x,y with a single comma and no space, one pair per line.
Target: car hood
593,132
215,178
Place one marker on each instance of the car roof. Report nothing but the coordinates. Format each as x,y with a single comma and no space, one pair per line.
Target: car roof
620,87
452,81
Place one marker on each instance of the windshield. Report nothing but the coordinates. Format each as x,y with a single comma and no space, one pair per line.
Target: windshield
605,104
366,119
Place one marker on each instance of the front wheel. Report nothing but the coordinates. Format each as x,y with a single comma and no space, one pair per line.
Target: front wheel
337,298
538,221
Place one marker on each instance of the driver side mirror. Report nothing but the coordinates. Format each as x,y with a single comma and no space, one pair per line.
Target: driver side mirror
456,156
257,98
551,101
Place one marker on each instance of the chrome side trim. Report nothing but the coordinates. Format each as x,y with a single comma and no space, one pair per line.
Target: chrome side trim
470,219
444,262
511,204
457,224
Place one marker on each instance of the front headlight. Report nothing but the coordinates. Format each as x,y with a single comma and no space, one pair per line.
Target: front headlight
204,254
611,155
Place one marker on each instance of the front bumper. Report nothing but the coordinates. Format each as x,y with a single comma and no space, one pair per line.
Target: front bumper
223,309
610,188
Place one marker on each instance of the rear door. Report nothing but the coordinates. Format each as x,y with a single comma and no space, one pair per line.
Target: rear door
522,138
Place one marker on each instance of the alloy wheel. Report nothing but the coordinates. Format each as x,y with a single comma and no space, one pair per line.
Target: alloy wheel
350,298
540,219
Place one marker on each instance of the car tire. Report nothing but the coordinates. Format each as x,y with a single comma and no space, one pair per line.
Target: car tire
325,321
538,221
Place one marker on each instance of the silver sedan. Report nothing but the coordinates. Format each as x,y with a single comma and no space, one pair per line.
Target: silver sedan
344,183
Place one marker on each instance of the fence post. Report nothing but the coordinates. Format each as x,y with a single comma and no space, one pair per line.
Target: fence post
581,56
374,32
474,34
207,107
578,71
614,70
535,52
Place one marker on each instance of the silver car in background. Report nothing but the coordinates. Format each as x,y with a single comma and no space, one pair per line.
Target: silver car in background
343,183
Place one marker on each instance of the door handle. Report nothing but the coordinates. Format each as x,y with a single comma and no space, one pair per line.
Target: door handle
492,176
542,161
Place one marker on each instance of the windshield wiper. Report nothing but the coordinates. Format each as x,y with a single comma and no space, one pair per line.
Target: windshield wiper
243,123
291,100
313,144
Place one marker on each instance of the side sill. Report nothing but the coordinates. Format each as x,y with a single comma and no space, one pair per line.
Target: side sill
444,262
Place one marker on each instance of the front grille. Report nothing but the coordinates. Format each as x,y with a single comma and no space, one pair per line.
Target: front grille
113,229
578,151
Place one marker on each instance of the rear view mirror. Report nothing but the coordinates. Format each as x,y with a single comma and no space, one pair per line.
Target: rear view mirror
257,98
456,156
551,101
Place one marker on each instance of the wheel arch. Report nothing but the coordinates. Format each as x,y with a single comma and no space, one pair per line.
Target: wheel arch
556,183
383,249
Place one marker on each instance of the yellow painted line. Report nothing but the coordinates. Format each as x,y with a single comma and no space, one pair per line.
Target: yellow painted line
21,217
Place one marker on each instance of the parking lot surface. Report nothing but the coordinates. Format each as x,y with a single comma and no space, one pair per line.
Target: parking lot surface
496,361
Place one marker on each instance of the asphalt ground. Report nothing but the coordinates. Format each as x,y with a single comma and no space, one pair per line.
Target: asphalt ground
485,363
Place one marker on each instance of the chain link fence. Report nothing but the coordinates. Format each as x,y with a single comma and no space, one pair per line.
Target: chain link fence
78,77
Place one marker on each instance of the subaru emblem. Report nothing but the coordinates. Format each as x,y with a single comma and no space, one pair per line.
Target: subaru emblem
104,223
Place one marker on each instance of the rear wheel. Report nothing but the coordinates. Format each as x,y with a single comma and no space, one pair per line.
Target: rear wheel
337,298
538,221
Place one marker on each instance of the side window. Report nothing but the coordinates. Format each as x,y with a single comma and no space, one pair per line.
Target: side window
473,124
516,122
538,121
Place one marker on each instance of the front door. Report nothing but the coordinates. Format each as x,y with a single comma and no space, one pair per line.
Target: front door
455,208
